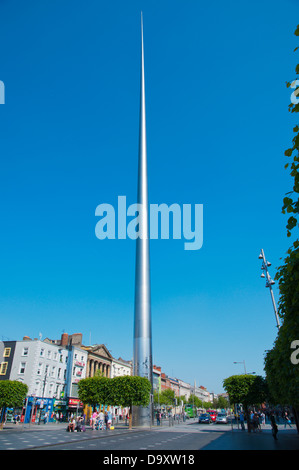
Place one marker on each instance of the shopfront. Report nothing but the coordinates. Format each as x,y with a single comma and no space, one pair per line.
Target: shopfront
37,410
60,410
74,407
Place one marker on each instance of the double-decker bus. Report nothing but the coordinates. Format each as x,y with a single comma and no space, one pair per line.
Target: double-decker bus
191,411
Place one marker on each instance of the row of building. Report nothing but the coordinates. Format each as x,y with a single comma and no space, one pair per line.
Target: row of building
52,370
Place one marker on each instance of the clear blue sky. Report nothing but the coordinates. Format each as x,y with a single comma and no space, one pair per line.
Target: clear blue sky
217,127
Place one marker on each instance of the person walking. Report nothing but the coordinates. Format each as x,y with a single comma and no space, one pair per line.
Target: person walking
287,420
273,426
101,420
109,419
242,420
93,419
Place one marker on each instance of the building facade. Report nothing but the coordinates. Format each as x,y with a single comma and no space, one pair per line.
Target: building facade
99,360
120,367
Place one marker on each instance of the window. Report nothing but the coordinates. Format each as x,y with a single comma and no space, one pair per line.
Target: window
53,372
25,351
22,368
3,368
51,389
39,369
49,354
42,352
6,352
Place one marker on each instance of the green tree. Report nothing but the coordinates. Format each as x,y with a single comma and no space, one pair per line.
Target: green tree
207,405
95,391
12,394
129,391
194,400
125,391
248,390
167,397
283,375
222,403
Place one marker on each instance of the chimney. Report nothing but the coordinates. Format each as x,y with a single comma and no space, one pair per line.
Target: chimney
64,339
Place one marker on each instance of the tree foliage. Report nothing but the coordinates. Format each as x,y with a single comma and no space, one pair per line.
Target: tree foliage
95,390
131,390
282,374
193,399
12,393
246,389
291,200
125,391
122,391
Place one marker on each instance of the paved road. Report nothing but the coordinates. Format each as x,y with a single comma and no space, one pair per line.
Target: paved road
189,437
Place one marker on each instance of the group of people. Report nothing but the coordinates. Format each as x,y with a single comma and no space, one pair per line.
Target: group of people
257,419
76,425
101,420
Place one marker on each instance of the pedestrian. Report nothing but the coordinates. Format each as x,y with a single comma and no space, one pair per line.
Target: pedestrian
109,419
242,420
101,420
72,425
94,419
78,428
257,423
273,426
158,418
287,420
46,418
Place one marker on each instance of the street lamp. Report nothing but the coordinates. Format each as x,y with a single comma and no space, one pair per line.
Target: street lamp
243,362
269,282
246,373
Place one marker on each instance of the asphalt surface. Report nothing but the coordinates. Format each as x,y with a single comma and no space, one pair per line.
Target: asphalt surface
189,436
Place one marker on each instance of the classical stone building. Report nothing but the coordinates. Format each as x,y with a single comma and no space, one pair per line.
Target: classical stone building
99,360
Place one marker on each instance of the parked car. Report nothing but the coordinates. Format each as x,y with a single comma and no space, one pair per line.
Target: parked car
221,418
205,418
213,415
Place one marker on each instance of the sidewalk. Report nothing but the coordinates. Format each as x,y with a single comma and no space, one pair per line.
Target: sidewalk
25,427
287,439
52,426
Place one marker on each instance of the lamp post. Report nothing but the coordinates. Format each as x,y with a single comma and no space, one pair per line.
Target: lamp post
269,282
243,362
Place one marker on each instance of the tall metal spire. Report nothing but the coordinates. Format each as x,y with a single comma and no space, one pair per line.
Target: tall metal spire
142,322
